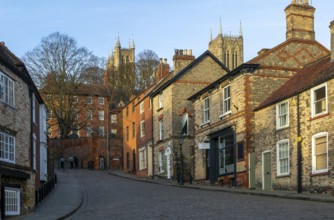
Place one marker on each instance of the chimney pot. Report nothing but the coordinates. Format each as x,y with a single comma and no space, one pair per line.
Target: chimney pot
165,61
331,27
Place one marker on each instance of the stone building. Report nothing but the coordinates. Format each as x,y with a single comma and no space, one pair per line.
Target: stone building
294,131
228,48
173,114
23,165
232,99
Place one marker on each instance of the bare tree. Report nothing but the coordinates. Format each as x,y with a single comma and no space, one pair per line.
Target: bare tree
56,65
147,64
95,73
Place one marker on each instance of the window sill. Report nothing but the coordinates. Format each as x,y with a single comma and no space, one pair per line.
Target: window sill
205,123
283,175
320,174
282,128
319,116
222,116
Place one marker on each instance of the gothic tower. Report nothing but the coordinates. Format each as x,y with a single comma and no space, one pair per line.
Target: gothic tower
228,48
119,56
300,20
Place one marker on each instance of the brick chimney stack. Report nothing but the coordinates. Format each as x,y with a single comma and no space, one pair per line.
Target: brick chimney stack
162,70
182,58
331,27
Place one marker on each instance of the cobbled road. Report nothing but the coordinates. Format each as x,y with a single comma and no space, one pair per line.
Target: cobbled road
111,197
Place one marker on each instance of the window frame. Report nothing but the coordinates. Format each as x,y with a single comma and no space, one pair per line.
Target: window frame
133,129
227,99
279,160
161,129
142,109
314,137
142,158
313,109
101,100
185,123
142,128
278,115
113,119
101,131
89,100
206,110
16,204
89,114
7,89
161,100
161,155
9,148
101,116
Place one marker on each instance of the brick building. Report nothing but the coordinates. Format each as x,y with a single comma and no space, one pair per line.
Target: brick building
294,131
23,149
229,129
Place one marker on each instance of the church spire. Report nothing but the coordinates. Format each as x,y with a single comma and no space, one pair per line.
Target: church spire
133,42
118,43
220,26
210,34
240,31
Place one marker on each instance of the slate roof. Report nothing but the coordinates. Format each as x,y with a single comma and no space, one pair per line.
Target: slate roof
310,76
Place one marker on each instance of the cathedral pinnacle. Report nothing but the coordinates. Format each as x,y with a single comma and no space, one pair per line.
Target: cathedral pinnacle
133,42
240,32
210,34
118,44
220,27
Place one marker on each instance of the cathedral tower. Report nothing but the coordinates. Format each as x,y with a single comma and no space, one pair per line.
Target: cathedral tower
300,20
228,48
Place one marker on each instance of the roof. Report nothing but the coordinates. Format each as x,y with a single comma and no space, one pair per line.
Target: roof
172,78
237,70
93,90
310,76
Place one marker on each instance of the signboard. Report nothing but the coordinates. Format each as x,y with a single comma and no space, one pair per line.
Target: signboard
203,146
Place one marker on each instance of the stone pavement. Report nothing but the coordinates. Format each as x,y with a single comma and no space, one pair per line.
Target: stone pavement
64,200
272,193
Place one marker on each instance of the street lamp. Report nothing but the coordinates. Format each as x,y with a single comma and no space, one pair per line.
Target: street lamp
181,139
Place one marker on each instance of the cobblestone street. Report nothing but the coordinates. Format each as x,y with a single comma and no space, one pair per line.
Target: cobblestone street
111,197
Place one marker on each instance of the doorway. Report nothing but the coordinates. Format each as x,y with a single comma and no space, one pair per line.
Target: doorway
266,170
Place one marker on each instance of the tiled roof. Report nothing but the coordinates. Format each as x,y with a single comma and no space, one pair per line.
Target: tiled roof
310,76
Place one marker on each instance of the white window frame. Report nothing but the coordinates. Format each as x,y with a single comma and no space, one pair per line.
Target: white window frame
7,147
161,129
101,100
313,101
113,118
75,99
89,100
279,115
185,123
314,137
142,158
279,160
142,128
161,100
161,155
12,201
226,100
89,115
206,110
142,107
7,89
101,115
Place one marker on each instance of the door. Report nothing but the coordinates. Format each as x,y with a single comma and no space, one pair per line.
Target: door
266,158
102,163
251,174
149,160
207,156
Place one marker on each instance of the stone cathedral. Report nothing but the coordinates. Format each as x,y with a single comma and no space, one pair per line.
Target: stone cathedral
228,48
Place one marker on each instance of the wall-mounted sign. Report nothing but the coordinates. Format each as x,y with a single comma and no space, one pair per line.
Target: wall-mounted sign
203,146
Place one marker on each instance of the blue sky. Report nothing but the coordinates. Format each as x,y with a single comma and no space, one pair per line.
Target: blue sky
161,26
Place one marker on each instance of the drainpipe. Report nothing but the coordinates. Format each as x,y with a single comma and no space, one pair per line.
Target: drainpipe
235,156
299,150
152,121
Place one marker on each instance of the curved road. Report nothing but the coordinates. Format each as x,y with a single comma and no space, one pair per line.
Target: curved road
111,197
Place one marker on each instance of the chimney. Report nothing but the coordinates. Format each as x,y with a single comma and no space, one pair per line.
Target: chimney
181,59
165,61
300,20
331,27
162,70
